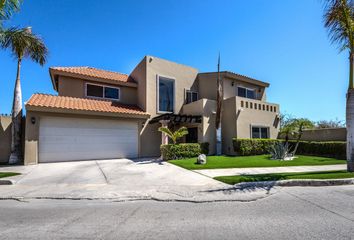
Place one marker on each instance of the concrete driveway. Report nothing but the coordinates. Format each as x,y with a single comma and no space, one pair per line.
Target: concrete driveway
124,173
121,179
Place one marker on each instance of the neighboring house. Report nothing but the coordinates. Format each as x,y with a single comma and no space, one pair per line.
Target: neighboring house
100,114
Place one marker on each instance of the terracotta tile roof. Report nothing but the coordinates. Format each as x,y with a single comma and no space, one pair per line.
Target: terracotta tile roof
83,104
94,72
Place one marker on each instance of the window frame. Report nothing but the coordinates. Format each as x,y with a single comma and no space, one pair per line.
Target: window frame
103,91
158,93
260,131
246,88
191,92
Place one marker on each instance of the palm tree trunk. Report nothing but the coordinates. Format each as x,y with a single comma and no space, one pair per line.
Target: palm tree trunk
16,152
350,117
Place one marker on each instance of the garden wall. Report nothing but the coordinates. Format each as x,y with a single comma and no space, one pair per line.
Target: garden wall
322,135
5,137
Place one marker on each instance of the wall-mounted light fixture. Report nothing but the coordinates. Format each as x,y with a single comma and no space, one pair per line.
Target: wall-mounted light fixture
232,83
33,120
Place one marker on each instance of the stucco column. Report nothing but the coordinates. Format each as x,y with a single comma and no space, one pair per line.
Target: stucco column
164,137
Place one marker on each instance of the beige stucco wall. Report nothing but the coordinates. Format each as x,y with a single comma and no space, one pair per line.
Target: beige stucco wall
145,73
228,125
256,117
326,134
5,138
139,75
206,130
32,130
75,87
237,121
207,83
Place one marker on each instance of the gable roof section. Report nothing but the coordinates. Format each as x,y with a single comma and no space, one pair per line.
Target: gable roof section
90,73
60,103
240,77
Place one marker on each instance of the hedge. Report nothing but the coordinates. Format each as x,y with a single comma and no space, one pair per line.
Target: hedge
183,150
246,147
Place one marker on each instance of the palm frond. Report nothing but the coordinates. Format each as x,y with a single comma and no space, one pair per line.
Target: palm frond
8,7
23,43
167,131
180,132
339,20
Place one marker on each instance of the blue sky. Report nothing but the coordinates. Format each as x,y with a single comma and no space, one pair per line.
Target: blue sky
282,42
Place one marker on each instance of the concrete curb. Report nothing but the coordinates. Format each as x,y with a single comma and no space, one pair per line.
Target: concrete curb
6,182
298,183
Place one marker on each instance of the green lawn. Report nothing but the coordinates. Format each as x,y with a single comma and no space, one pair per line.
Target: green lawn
8,174
214,162
284,176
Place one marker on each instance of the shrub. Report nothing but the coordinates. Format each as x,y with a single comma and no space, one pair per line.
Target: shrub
183,150
245,147
323,149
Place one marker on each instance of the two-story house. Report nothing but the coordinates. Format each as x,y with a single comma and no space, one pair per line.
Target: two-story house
99,114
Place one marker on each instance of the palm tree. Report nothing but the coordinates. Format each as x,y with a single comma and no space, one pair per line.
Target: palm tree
174,135
23,44
339,20
8,7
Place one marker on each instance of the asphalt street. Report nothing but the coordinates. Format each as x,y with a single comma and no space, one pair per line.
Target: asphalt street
290,213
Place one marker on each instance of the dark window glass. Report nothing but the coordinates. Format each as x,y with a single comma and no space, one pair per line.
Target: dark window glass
260,132
264,132
112,93
192,136
250,94
241,92
194,96
166,92
94,91
255,132
191,96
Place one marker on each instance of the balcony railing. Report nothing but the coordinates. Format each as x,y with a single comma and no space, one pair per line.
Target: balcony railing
247,103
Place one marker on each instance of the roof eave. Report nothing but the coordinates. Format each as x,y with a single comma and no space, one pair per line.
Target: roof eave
85,112
56,72
246,79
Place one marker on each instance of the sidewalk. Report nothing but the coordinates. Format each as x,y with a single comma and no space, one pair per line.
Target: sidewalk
242,171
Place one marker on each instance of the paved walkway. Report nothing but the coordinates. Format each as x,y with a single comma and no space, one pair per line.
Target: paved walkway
241,171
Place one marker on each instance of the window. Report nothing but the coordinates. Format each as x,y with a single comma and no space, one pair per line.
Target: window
260,132
98,91
191,96
94,91
246,92
112,93
166,93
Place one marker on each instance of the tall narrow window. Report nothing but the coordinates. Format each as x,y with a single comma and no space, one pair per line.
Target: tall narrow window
191,96
166,94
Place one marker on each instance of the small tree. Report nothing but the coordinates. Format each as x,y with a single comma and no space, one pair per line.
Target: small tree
330,124
174,136
299,125
290,127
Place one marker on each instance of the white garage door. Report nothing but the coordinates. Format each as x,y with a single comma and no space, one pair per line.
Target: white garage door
69,139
